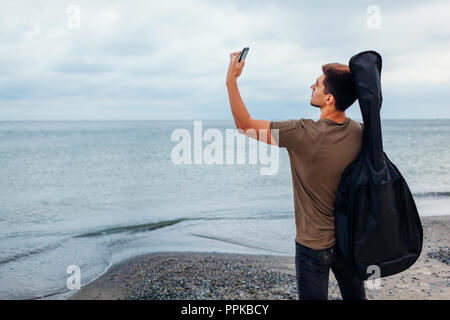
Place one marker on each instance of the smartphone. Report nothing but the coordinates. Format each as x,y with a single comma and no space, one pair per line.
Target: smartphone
243,53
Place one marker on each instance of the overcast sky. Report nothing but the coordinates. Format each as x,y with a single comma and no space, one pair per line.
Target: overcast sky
168,59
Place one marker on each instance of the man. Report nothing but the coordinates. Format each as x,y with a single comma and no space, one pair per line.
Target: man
319,151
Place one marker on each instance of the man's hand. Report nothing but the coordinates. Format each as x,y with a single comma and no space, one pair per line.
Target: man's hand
241,116
235,67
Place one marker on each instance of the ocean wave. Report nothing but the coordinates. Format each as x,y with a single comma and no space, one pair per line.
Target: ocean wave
166,223
233,241
434,194
132,228
29,253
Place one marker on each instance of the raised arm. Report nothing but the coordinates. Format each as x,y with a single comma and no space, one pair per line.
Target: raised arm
257,129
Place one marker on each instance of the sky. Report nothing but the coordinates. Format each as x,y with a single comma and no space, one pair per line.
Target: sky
154,60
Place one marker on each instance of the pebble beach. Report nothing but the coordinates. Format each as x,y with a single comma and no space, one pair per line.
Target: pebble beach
210,275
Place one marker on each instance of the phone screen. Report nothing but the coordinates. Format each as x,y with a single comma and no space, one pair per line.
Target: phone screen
243,54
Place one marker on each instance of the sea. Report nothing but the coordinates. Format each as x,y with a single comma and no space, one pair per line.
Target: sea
79,196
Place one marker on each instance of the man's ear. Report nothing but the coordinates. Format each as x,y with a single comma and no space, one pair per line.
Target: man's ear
330,99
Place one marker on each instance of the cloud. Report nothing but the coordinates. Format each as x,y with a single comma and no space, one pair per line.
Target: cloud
148,59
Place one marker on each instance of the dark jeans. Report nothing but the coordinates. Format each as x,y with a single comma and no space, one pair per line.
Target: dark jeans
313,268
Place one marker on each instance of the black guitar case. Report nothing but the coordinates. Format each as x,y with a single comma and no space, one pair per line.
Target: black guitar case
376,219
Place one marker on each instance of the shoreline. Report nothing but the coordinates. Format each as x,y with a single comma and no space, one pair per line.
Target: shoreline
230,276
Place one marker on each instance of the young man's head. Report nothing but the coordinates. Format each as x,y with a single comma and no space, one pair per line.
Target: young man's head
334,87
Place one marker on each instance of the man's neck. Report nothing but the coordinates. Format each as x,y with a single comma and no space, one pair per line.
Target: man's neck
333,115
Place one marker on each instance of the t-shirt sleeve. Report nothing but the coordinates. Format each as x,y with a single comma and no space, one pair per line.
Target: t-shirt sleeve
291,133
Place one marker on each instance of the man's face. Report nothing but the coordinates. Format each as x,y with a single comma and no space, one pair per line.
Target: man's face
318,98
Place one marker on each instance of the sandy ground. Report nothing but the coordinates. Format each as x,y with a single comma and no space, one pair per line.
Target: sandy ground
190,275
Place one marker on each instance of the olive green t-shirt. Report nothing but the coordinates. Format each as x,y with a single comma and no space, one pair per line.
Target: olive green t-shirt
319,151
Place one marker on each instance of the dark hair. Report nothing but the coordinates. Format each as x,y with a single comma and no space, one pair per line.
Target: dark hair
339,82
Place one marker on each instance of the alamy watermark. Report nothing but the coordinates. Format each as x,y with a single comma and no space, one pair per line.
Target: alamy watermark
74,280
374,19
218,152
374,281
74,18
